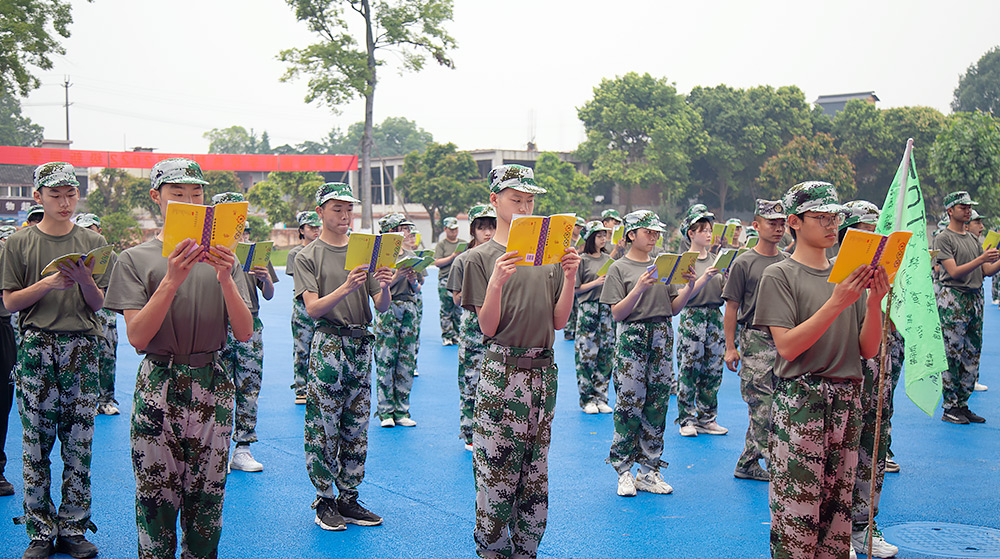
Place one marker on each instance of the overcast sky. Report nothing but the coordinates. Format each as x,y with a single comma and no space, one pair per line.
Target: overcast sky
161,74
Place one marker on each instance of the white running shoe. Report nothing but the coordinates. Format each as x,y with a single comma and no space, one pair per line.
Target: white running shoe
388,422
688,431
980,387
711,428
880,547
406,422
604,408
244,461
652,482
626,485
107,408
468,446
852,554
590,408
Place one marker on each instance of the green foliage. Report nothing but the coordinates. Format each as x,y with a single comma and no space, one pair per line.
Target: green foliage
966,156
258,229
804,159
121,230
393,137
113,191
979,88
15,129
443,180
221,181
284,193
864,138
567,190
236,139
29,37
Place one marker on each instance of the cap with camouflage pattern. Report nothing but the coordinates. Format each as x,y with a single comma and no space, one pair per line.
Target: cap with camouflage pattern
611,213
481,210
592,227
975,216
335,191
959,197
86,220
770,209
392,221
860,211
643,219
580,222
53,174
33,210
695,214
812,196
734,221
226,197
451,223
516,177
6,231
696,209
310,218
176,170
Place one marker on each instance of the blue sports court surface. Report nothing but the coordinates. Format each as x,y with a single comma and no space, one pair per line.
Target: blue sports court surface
420,479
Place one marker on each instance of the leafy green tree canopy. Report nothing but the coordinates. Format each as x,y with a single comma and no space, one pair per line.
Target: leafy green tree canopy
29,37
979,88
566,189
284,194
966,156
258,229
113,191
804,159
221,181
395,136
121,230
236,139
443,180
15,129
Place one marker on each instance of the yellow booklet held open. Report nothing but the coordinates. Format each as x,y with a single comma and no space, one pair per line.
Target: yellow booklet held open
221,224
723,232
726,256
671,267
101,256
992,240
540,240
617,234
376,251
256,254
416,263
603,270
861,248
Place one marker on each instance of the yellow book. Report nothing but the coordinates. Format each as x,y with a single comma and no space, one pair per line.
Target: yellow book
416,263
376,251
603,271
256,254
992,240
221,224
617,234
101,256
671,267
540,240
416,239
723,232
861,248
752,241
726,257
461,247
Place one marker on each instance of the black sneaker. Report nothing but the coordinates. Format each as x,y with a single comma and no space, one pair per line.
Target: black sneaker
973,418
954,415
753,471
354,513
39,549
6,489
76,546
327,515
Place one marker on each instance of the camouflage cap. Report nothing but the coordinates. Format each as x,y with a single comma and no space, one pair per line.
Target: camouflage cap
308,218
734,221
451,223
696,209
611,213
960,197
176,170
860,211
33,210
812,196
592,227
580,222
86,220
225,197
392,221
481,210
517,177
643,219
335,191
770,209
975,216
53,174
695,214
751,232
6,231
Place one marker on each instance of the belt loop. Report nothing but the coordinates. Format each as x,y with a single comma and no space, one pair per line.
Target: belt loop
170,364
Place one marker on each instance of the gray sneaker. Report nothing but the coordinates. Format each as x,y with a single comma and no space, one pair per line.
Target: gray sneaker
753,471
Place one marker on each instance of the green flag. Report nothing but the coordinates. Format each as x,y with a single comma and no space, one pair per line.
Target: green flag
914,307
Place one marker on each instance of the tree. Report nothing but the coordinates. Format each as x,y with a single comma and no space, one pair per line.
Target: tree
340,70
393,137
258,229
285,193
236,139
16,130
804,159
863,137
221,181
121,230
640,134
979,88
567,190
29,36
966,156
114,191
443,180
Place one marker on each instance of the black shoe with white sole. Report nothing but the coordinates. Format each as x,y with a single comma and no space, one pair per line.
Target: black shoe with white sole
328,516
354,513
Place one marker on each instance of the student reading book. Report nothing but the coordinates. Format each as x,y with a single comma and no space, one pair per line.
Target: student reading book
210,226
377,251
670,268
303,326
541,240
97,259
445,253
254,255
595,335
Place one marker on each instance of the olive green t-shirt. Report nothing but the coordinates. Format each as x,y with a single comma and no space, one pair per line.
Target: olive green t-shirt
744,279
587,272
789,294
197,319
963,249
290,259
527,302
445,248
26,253
4,313
251,285
319,268
457,274
711,294
654,303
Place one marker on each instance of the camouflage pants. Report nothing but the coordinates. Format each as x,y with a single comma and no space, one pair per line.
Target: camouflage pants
701,345
182,417
338,401
471,350
245,360
303,329
815,425
757,355
962,325
511,436
595,349
869,392
56,380
451,313
419,321
569,331
109,356
395,359
641,372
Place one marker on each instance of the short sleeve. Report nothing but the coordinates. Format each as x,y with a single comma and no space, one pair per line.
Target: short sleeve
614,287
946,248
13,268
274,276
305,275
474,284
457,275
775,303
734,289
126,290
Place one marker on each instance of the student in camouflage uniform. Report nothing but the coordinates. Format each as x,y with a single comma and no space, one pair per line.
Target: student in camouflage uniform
611,219
756,348
569,332
701,341
8,356
519,308
444,255
595,340
471,348
338,386
963,263
976,228
302,325
56,372
396,333
815,414
643,364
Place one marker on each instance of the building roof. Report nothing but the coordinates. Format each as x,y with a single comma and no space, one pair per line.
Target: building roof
845,97
16,175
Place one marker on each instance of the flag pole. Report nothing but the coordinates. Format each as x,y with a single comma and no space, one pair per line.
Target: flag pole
902,172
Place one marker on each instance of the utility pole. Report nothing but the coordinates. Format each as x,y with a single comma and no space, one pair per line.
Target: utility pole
66,85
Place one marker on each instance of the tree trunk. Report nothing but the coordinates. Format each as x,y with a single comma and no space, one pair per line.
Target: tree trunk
366,137
723,192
